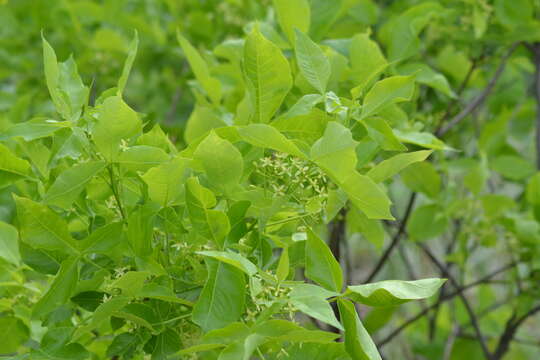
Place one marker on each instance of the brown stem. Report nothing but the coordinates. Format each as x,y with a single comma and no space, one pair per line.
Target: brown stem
510,330
448,265
337,237
447,297
395,240
480,98
468,307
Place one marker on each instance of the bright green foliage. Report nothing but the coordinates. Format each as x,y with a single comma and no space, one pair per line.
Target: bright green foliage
394,292
219,179
267,75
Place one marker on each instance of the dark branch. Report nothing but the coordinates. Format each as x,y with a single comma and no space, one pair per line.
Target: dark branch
395,240
447,297
473,105
510,330
468,307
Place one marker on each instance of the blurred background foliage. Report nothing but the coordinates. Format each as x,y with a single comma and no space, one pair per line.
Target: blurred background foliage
483,199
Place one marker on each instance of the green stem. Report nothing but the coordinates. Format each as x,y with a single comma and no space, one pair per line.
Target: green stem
115,192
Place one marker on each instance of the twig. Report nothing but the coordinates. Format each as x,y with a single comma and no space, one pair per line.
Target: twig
462,86
447,297
115,192
510,330
448,265
468,307
337,235
397,237
480,98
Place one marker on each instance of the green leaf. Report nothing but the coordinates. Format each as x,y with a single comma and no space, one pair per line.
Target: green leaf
34,129
324,14
367,196
335,152
202,120
512,167
427,222
167,343
155,291
422,177
165,181
103,313
371,230
367,62
211,85
266,136
390,167
422,139
103,239
12,168
311,300
15,334
88,300
140,229
130,283
41,228
211,224
55,345
515,13
282,270
312,62
313,351
142,158
292,14
234,259
303,106
65,86
132,52
9,248
533,189
393,292
388,91
60,290
426,75
124,344
221,301
116,122
321,266
358,343
285,331
381,132
221,161
268,76
70,183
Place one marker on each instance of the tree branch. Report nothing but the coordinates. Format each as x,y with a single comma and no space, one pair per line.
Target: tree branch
480,98
468,307
447,297
395,240
510,330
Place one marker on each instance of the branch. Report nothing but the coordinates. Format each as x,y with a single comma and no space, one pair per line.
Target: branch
397,237
449,249
447,297
510,330
480,98
468,307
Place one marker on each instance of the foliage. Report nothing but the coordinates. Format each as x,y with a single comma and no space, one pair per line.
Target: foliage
138,221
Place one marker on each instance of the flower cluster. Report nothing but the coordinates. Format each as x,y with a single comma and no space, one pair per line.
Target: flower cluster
286,175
